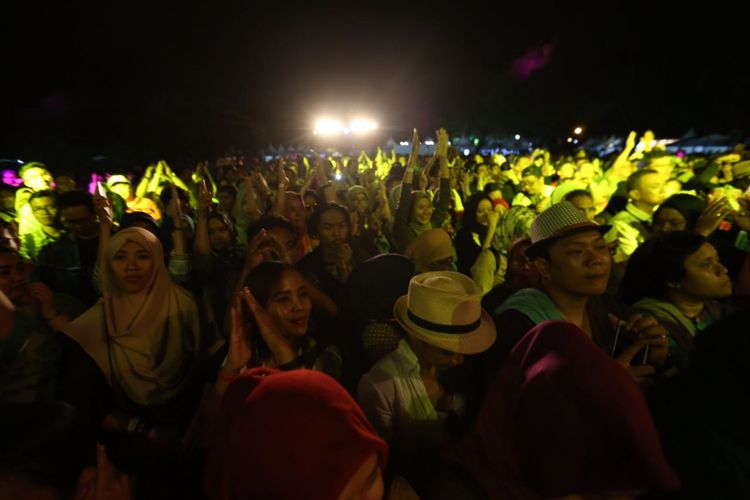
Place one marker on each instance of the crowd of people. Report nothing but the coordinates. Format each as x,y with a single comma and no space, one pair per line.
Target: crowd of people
542,325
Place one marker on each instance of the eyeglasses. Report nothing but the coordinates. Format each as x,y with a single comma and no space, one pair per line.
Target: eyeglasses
50,209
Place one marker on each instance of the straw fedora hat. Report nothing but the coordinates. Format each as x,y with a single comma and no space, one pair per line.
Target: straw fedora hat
444,309
558,221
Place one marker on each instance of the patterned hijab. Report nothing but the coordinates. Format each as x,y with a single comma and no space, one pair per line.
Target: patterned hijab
514,224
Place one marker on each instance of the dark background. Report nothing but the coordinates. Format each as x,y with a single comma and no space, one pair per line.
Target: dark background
128,80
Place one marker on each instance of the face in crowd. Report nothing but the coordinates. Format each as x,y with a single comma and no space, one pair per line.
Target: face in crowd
333,229
8,239
64,183
311,203
484,208
14,277
358,203
586,173
585,204
226,201
7,200
44,210
651,190
290,305
669,219
37,178
433,356
705,277
294,211
521,271
80,221
664,166
577,265
288,241
219,235
422,212
532,184
132,267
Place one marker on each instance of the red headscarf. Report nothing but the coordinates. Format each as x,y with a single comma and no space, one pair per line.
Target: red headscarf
563,418
288,435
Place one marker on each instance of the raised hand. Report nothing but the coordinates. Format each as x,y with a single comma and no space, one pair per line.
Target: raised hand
174,207
630,141
280,347
644,331
204,198
240,352
103,208
494,216
715,212
414,155
283,178
255,251
42,294
442,143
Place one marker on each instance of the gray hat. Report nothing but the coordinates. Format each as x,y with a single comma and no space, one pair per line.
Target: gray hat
558,221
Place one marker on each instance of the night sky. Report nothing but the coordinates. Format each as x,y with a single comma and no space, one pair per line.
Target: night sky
199,78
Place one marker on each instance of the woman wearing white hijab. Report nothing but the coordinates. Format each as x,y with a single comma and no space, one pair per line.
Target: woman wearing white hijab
144,332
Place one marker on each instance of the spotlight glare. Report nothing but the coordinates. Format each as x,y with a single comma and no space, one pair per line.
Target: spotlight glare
361,125
578,130
327,126
518,137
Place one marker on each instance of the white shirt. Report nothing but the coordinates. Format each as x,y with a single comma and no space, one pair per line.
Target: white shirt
394,398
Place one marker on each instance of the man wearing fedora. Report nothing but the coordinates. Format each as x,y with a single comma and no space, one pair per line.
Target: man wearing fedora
574,264
403,395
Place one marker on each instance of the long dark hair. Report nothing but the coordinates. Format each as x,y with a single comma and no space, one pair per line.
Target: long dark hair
658,262
470,213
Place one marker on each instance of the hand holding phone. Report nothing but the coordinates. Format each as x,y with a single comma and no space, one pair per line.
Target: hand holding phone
642,331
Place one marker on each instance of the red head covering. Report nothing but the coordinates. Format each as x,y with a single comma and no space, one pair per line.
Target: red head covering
563,418
288,435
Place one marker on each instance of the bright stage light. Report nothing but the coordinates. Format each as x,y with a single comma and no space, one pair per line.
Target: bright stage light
327,126
518,137
333,126
578,130
361,125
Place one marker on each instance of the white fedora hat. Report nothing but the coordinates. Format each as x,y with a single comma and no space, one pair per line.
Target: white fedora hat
444,309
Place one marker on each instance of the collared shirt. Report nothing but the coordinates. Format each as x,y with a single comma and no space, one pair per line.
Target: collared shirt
630,228
394,398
